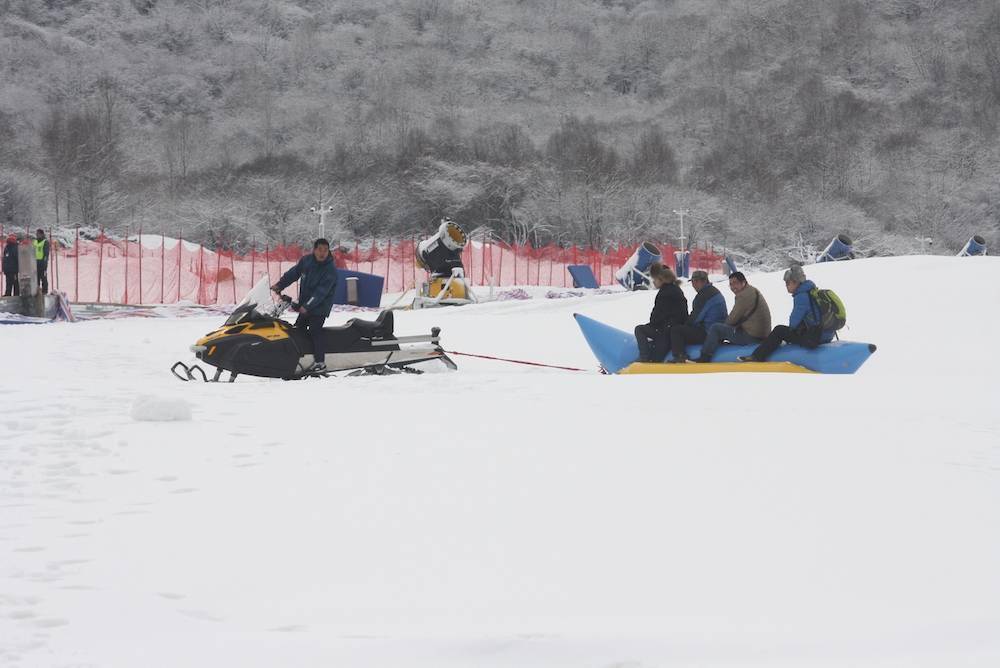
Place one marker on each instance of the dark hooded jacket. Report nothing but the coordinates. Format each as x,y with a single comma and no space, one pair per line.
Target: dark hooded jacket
10,264
670,307
319,279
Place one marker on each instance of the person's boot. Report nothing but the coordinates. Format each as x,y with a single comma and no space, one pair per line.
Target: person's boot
703,360
746,358
317,367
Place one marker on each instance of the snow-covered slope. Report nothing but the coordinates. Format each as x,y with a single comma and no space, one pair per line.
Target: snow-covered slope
508,515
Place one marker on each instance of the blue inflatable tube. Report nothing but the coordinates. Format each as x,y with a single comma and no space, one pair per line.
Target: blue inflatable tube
616,349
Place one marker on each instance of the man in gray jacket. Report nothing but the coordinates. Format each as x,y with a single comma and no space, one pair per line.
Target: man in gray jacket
748,323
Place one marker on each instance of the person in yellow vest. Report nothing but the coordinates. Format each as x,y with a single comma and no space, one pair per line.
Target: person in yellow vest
41,245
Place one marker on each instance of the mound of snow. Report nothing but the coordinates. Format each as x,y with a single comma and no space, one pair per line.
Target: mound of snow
147,408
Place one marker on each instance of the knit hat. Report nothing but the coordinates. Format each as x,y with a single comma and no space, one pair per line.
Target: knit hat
699,275
796,273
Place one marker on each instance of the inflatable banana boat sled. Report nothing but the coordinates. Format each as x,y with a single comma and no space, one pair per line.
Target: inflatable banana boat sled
618,352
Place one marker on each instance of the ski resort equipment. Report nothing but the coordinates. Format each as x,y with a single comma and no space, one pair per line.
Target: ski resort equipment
255,341
618,352
441,256
583,276
840,248
634,274
682,264
730,264
976,245
367,288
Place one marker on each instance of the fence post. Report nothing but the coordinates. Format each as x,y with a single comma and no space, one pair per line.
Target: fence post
54,254
357,254
402,265
180,249
201,270
100,263
140,264
163,264
388,261
76,287
500,273
218,268
126,265
253,262
232,268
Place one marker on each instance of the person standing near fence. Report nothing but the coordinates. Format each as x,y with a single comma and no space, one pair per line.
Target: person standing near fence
10,266
41,245
318,274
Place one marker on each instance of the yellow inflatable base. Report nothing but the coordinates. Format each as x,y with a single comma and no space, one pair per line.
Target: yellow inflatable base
715,367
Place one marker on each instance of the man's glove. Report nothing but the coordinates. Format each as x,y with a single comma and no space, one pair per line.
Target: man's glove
275,288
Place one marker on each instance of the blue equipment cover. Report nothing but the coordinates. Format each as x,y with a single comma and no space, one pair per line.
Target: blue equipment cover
583,276
976,245
369,288
616,349
839,248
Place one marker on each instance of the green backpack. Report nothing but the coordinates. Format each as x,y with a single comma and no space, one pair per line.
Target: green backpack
832,314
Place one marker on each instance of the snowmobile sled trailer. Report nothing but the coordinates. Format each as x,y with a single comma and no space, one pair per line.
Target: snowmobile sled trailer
259,344
618,352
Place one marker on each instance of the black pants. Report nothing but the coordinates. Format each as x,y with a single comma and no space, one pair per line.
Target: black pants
653,342
43,276
681,335
314,325
783,333
12,287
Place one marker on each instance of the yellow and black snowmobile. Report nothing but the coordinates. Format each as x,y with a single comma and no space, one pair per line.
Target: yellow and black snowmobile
255,341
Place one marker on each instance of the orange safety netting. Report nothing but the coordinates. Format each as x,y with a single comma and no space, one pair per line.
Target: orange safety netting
154,269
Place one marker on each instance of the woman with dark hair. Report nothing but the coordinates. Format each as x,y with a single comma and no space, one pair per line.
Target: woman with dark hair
670,308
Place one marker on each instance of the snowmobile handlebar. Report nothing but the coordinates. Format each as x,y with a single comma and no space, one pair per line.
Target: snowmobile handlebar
289,303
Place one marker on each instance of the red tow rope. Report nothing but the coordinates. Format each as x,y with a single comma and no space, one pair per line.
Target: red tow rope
504,359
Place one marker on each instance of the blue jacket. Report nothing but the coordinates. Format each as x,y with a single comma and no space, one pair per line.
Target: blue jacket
805,313
318,282
709,307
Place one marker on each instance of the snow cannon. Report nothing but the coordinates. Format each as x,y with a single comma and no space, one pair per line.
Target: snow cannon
441,257
730,264
976,245
840,248
618,353
634,274
682,262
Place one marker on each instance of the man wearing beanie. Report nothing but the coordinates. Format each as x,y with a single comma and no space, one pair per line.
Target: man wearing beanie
803,324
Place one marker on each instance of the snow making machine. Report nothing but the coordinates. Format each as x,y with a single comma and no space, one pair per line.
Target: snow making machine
441,256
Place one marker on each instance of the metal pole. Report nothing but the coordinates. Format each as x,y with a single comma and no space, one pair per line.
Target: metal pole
140,264
163,263
76,287
100,264
180,249
126,265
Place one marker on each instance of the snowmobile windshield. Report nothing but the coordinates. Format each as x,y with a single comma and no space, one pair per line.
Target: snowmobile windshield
243,313
257,304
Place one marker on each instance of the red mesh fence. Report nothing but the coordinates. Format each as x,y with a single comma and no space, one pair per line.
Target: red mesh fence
153,269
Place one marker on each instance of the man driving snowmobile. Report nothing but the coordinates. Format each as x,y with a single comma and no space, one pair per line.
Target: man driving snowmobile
318,275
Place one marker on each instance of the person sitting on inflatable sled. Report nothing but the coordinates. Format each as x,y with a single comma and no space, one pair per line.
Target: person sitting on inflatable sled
669,309
803,327
707,309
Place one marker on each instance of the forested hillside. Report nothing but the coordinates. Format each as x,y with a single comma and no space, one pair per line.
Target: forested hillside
775,122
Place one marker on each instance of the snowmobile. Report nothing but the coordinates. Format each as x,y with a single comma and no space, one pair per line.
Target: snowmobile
255,341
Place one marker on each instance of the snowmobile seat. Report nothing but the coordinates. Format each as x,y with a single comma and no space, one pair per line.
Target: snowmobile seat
382,325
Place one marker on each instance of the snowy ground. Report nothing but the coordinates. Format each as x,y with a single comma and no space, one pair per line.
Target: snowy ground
510,516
